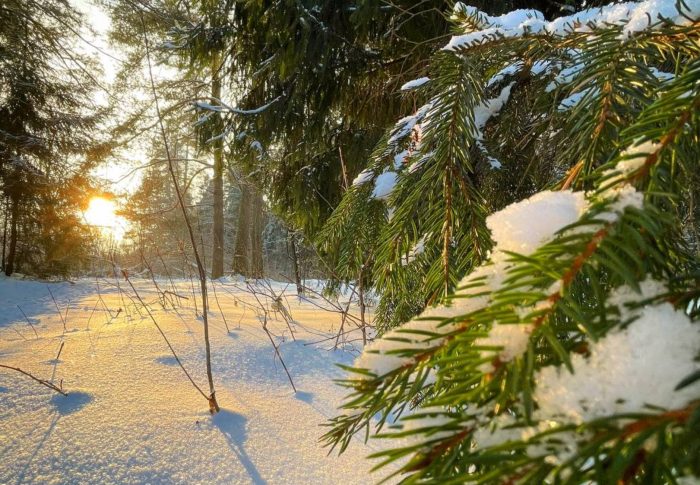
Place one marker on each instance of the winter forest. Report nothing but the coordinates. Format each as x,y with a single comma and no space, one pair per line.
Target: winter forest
350,242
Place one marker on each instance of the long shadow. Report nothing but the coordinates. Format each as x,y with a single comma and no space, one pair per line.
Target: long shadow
64,406
35,302
302,360
44,439
232,426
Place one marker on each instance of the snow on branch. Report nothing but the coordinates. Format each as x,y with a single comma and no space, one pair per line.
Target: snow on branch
521,227
632,17
416,83
222,107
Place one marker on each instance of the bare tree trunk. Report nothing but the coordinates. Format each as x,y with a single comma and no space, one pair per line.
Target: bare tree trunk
256,259
242,251
6,218
217,258
14,218
295,260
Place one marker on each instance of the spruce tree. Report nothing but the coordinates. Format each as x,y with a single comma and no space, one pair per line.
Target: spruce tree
541,202
47,142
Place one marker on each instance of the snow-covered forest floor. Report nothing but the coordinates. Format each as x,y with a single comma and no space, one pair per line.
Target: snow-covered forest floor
131,416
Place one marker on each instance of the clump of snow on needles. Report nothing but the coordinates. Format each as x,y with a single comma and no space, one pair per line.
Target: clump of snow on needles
633,369
416,83
634,157
363,177
489,108
521,227
628,370
524,226
625,195
384,185
512,340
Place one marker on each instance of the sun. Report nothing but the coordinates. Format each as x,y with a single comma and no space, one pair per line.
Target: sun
101,213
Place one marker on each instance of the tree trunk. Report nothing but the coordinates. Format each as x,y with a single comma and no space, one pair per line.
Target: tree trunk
295,261
14,218
242,251
256,257
217,258
4,232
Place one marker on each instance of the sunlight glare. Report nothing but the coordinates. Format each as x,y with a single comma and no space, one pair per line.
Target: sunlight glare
101,213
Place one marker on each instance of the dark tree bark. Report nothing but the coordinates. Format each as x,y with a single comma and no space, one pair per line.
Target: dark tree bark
14,219
295,261
256,247
248,254
6,218
217,258
241,254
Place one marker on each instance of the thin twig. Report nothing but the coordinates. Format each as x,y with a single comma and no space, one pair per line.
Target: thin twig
172,350
216,297
28,321
57,308
213,405
48,384
277,351
60,349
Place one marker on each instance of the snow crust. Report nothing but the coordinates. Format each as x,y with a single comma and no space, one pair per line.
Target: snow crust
131,416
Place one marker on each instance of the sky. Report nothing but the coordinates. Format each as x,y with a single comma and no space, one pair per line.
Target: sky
118,174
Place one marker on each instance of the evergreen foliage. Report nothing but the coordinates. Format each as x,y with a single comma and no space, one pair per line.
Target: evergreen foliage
602,110
47,142
308,77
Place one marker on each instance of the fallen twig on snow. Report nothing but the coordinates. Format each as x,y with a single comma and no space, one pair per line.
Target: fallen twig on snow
43,382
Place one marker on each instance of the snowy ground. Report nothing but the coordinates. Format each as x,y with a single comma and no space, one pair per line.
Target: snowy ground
131,416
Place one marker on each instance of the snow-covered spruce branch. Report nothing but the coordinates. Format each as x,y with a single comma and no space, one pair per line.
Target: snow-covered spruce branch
385,383
413,344
631,18
393,386
222,107
559,358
